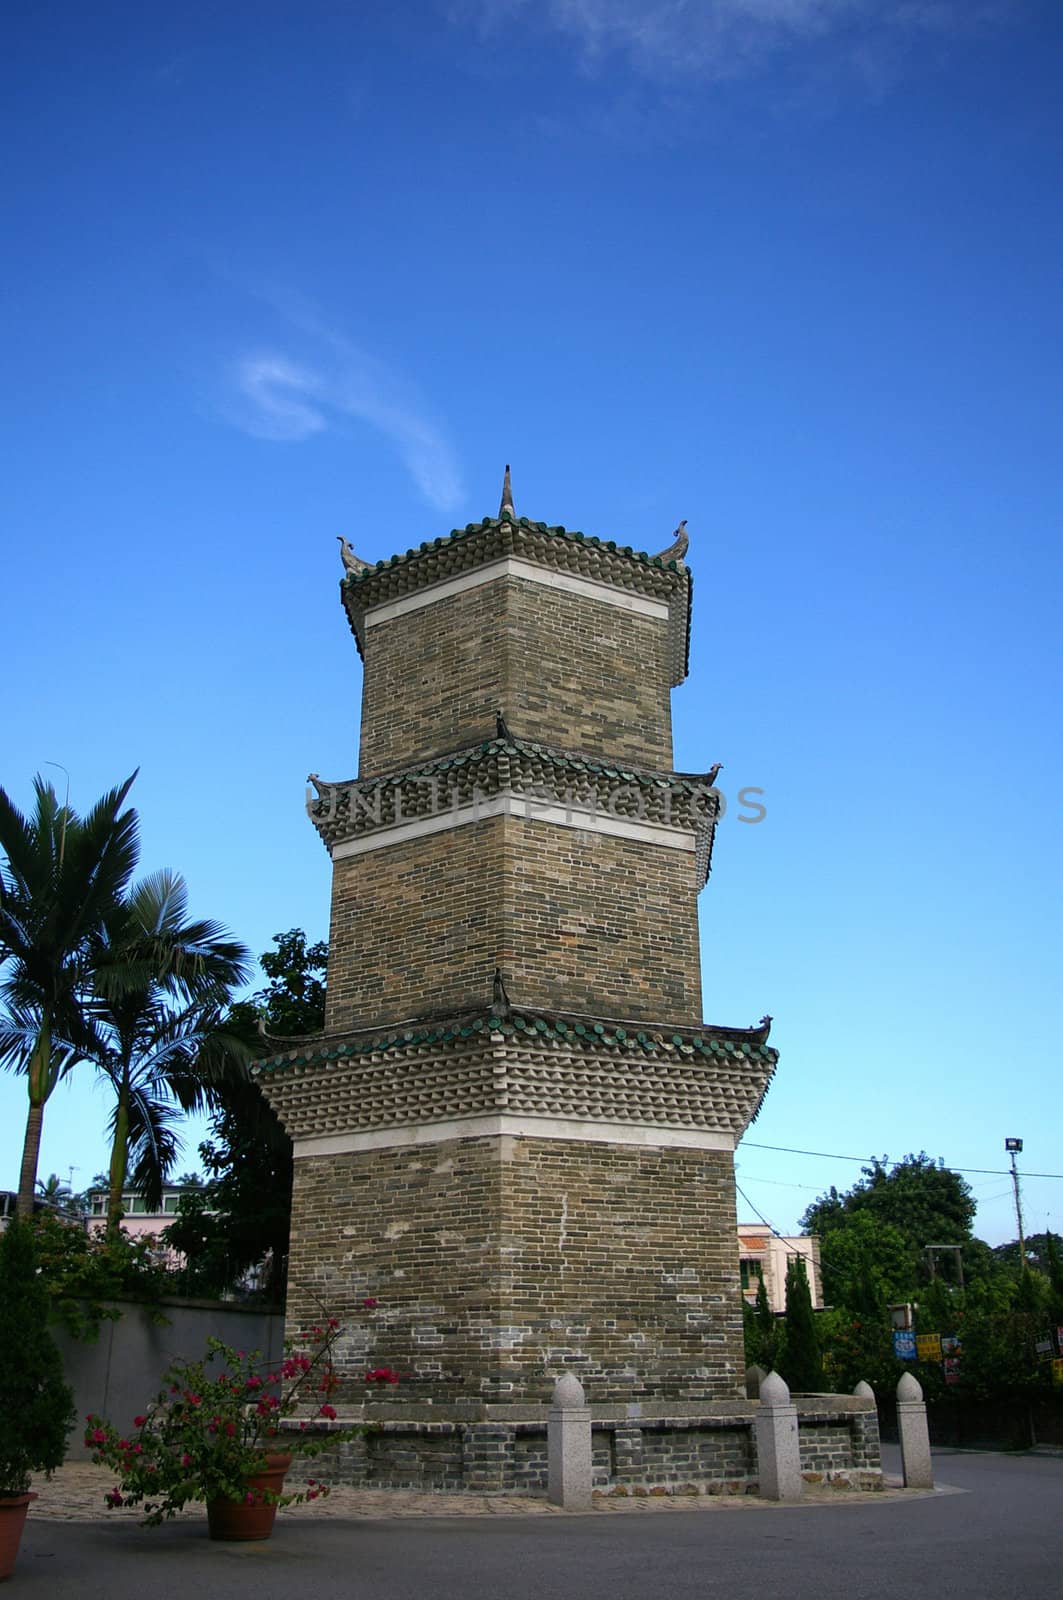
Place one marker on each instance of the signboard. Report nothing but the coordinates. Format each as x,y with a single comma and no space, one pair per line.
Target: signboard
1059,1340
950,1344
1043,1347
1057,1370
904,1344
952,1369
928,1346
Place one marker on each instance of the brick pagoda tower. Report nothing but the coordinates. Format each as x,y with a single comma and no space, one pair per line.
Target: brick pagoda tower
516,1133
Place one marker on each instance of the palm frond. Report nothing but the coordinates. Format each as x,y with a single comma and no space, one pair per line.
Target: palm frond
154,1144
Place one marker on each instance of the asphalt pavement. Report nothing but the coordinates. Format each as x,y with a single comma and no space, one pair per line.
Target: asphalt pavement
994,1528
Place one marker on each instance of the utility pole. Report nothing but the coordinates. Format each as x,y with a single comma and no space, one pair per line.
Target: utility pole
1014,1148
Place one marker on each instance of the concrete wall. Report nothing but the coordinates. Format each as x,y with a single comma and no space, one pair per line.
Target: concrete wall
118,1374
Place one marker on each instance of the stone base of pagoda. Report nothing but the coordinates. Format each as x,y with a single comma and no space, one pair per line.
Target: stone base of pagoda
708,1448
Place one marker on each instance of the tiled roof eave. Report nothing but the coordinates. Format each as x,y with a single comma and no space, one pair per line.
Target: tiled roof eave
558,548
572,1030
555,754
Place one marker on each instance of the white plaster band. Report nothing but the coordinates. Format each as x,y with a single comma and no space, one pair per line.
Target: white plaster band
514,567
493,1125
518,805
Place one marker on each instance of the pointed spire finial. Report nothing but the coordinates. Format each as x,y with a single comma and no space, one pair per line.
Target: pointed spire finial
507,494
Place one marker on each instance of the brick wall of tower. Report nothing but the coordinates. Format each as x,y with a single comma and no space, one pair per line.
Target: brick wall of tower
495,1262
567,670
415,927
577,920
600,924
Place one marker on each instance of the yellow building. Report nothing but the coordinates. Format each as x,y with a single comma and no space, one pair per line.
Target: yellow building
763,1254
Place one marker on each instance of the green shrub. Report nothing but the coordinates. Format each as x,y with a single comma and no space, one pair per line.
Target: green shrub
36,1406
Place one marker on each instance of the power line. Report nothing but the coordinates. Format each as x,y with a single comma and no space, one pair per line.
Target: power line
834,1155
769,1225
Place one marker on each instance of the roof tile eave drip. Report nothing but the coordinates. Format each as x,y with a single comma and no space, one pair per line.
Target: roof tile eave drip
488,524
567,1029
554,754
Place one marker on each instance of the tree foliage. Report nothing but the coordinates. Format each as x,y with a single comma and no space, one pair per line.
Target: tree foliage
159,1036
293,1003
800,1363
36,1406
924,1202
241,1218
60,875
84,1273
866,1264
763,1331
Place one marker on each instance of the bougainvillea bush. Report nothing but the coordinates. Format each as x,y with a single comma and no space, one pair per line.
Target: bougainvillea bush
211,1426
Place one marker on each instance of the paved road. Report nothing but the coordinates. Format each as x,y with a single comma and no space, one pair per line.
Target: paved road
1000,1535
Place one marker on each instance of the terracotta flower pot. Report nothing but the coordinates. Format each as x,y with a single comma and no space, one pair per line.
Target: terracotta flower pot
241,1519
13,1508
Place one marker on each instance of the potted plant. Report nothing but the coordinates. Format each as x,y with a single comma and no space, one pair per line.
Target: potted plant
36,1405
213,1433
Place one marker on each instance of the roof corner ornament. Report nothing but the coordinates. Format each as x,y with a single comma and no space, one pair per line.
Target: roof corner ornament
499,997
678,547
353,565
326,795
507,496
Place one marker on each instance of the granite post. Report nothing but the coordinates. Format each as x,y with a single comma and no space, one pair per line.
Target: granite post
778,1449
914,1435
568,1446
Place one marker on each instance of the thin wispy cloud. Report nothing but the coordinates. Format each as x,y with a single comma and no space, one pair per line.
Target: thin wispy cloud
715,39
273,394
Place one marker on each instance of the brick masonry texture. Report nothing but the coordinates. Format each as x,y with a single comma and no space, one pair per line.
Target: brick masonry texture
714,1453
499,1262
416,926
566,670
577,921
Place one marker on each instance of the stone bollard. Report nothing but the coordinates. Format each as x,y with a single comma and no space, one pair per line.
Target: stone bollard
754,1378
778,1447
914,1434
864,1391
568,1446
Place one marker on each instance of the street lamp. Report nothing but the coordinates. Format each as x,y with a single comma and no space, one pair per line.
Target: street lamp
1013,1147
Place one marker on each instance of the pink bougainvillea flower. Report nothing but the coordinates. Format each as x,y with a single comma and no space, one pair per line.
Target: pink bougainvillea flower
327,1411
186,1460
138,1422
370,1304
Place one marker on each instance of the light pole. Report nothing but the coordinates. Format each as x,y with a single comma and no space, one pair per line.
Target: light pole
1014,1148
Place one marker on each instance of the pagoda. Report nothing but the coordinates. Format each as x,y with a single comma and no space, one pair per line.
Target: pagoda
514,1138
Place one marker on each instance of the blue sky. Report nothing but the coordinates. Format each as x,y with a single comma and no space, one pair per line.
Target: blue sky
787,268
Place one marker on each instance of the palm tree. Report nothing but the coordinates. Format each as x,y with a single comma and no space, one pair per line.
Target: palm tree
60,876
53,1191
159,1033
